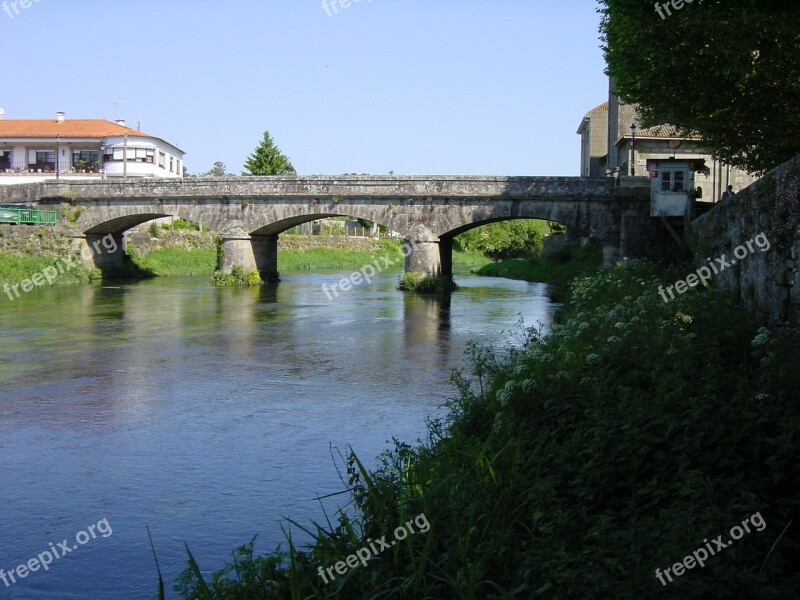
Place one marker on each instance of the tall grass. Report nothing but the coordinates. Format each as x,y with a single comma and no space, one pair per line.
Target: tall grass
15,268
178,262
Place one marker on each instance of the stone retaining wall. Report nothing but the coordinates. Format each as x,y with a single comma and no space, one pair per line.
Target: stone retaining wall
767,282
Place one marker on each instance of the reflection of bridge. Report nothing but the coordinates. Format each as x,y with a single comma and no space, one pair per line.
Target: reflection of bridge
250,212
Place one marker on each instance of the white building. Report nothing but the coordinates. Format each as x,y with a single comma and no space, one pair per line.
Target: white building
38,149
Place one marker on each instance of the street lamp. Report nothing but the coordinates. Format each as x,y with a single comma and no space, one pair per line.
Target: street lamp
58,150
633,152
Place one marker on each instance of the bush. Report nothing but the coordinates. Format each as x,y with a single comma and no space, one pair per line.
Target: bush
237,277
504,240
426,284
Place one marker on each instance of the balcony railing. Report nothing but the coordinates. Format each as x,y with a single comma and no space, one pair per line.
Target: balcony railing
9,168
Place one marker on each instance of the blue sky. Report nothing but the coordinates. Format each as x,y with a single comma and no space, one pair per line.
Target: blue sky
413,86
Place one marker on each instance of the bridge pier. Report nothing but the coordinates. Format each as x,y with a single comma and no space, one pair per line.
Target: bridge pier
428,254
237,250
104,251
265,251
422,253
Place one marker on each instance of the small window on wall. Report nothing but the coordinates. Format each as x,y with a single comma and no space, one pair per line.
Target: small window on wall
150,157
673,181
666,181
171,164
161,159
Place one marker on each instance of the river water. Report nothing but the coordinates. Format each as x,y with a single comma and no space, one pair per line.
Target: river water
209,414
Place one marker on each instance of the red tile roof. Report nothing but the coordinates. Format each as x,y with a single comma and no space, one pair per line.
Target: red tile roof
666,131
68,128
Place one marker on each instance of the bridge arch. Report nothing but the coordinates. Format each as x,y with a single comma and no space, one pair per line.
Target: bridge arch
248,211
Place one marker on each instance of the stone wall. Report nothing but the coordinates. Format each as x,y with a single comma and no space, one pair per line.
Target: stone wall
35,241
768,281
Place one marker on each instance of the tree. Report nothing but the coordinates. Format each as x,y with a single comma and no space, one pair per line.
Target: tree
218,170
506,239
267,159
726,69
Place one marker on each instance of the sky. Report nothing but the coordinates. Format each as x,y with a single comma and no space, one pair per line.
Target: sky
415,87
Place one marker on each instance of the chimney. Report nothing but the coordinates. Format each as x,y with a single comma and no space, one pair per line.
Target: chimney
2,114
60,116
121,122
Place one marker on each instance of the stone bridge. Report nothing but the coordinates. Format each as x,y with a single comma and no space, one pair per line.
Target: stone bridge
249,213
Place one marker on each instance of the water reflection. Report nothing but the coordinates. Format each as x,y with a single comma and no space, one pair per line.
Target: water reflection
207,413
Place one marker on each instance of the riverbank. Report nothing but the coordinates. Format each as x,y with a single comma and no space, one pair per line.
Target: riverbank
635,430
180,253
558,269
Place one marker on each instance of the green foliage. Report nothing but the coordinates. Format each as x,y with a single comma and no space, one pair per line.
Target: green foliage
178,262
15,268
71,214
181,225
505,239
267,159
333,258
153,229
218,170
558,269
575,464
238,277
727,69
426,284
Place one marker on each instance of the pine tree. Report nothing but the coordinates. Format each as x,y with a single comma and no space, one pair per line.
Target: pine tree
267,159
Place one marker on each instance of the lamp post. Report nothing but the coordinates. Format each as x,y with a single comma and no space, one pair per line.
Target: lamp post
58,150
633,151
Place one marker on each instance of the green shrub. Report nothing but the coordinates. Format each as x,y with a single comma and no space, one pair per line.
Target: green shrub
426,284
181,225
237,277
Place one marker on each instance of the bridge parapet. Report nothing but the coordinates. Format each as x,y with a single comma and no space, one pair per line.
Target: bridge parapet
343,186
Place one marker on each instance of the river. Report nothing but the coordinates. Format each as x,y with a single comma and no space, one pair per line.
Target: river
209,414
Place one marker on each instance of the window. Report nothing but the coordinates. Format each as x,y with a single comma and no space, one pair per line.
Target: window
161,158
47,156
86,160
673,181
171,164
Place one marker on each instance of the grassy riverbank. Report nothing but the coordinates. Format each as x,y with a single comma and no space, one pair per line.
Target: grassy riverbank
577,465
181,262
15,269
558,269
177,262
